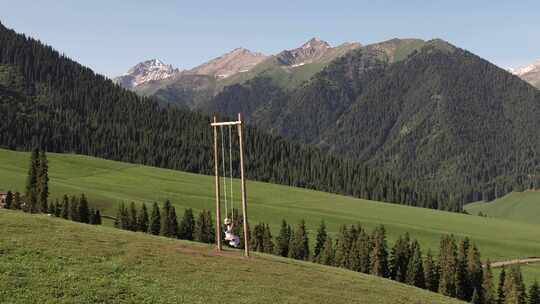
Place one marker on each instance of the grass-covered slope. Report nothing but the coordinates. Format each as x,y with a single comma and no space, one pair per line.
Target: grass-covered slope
518,206
107,183
46,260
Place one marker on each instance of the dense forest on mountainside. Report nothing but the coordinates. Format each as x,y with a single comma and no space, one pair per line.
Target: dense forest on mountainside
429,113
50,101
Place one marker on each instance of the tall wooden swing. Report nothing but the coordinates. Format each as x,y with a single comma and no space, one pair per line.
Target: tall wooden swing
218,128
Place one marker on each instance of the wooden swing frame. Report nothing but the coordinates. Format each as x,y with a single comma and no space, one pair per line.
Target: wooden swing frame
215,125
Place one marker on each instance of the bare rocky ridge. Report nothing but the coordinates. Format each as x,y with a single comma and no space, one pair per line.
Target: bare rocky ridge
310,51
150,70
237,61
530,73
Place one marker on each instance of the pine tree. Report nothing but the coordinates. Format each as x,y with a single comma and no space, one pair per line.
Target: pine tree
57,208
283,239
488,290
155,220
52,208
9,200
268,244
74,209
42,182
173,223
133,219
319,242
256,240
98,217
299,244
31,183
463,286
415,270
187,225
65,207
448,266
165,221
514,288
84,211
500,289
204,228
17,201
474,272
123,220
431,273
327,254
534,293
343,247
379,254
142,221
399,258
365,246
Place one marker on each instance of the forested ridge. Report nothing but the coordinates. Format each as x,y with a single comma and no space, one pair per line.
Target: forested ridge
433,114
52,102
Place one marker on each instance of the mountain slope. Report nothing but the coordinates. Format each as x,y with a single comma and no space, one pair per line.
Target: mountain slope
87,264
530,73
426,111
239,60
517,206
108,183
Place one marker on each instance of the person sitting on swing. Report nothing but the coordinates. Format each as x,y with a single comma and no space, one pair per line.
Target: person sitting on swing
233,239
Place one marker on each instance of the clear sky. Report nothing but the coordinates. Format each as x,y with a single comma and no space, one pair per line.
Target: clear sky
111,36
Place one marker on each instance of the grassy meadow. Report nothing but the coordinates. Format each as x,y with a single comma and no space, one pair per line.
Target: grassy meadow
68,262
108,183
518,206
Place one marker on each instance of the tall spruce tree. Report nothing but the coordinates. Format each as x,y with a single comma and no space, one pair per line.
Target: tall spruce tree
448,266
98,217
165,220
327,254
268,243
283,239
74,208
319,241
155,220
488,289
256,240
173,223
133,218
399,258
431,273
42,182
379,253
366,246
187,225
17,201
534,293
500,288
204,228
514,288
31,183
415,270
474,272
9,200
65,207
342,247
143,219
84,211
299,244
463,286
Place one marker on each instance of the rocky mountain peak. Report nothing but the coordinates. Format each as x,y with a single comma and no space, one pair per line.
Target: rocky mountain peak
236,61
143,72
308,52
529,73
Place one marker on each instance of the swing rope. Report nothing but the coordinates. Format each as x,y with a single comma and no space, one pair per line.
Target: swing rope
223,167
231,175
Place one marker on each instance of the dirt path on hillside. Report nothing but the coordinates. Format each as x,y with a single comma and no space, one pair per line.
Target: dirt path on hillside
530,260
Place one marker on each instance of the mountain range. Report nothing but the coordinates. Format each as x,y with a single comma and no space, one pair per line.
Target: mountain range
529,73
435,124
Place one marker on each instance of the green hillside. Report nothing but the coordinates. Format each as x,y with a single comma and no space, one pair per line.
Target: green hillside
66,262
518,206
107,183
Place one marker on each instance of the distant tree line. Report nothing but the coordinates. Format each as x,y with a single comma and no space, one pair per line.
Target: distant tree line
54,103
456,272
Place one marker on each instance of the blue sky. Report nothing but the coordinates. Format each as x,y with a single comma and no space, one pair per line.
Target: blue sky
111,36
